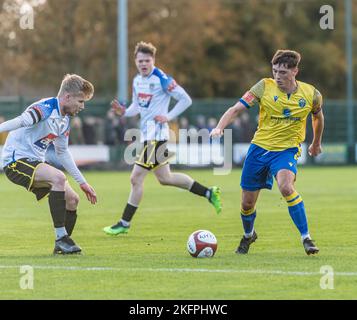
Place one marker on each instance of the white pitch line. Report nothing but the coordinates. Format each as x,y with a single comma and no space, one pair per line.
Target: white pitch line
254,271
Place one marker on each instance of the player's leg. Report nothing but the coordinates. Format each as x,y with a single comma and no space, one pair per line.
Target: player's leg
168,178
255,176
285,179
137,178
248,211
248,215
46,175
72,201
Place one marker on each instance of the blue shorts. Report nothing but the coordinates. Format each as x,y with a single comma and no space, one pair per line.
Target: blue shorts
260,166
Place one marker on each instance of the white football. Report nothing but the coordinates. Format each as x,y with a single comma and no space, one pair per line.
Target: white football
202,244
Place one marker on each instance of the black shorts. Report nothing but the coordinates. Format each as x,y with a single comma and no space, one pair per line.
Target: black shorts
154,155
22,172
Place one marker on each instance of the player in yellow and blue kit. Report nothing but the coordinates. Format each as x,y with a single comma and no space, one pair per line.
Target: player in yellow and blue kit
285,104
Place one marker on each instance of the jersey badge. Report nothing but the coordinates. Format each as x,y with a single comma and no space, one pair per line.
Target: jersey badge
302,103
144,100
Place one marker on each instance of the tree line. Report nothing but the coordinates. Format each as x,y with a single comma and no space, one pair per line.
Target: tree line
214,48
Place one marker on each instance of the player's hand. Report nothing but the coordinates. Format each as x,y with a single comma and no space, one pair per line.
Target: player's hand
118,108
161,119
90,193
314,150
216,132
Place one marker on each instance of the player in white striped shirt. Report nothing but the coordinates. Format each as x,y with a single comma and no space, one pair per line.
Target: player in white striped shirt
23,158
152,92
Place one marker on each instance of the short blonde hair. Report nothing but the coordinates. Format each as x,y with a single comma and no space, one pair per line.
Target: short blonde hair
145,47
75,84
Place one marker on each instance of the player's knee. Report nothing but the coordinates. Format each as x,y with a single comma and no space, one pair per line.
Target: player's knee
248,204
164,180
59,180
286,189
73,200
135,181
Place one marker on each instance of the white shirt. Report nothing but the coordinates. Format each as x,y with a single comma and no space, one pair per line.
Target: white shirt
151,97
40,125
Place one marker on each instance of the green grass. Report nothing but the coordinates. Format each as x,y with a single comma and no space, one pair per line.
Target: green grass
151,261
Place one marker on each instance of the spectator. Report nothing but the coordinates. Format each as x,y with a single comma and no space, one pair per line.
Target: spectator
212,123
236,128
89,130
183,123
201,122
76,136
247,128
114,129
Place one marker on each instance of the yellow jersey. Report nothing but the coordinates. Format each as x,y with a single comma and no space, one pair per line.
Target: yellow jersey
282,116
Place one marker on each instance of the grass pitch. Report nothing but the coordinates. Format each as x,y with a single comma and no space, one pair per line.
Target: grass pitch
151,261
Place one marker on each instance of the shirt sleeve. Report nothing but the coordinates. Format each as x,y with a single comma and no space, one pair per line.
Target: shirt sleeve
183,102
253,95
12,124
316,102
132,110
39,112
66,159
26,119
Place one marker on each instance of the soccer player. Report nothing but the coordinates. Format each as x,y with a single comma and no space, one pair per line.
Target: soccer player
45,122
152,91
285,104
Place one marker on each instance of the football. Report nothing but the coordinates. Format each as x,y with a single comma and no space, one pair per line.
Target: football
202,244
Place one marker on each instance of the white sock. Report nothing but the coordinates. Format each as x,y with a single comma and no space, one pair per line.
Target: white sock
305,236
208,194
249,235
125,223
60,232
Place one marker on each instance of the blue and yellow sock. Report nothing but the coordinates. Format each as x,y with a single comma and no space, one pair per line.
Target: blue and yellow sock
297,213
248,217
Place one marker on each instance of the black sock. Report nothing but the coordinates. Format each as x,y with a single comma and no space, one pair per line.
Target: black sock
57,204
129,212
199,189
71,218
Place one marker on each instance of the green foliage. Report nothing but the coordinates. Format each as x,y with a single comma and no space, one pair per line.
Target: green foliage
215,48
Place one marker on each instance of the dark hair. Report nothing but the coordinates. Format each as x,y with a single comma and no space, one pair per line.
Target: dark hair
145,47
289,58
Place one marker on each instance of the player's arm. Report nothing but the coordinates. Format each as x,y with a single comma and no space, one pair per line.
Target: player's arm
227,118
26,119
317,125
170,86
120,110
183,101
246,102
66,159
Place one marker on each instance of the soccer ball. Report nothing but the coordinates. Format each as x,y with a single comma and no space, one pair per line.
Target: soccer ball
202,244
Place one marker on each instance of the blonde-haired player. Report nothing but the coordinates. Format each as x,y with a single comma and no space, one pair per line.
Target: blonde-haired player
45,122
